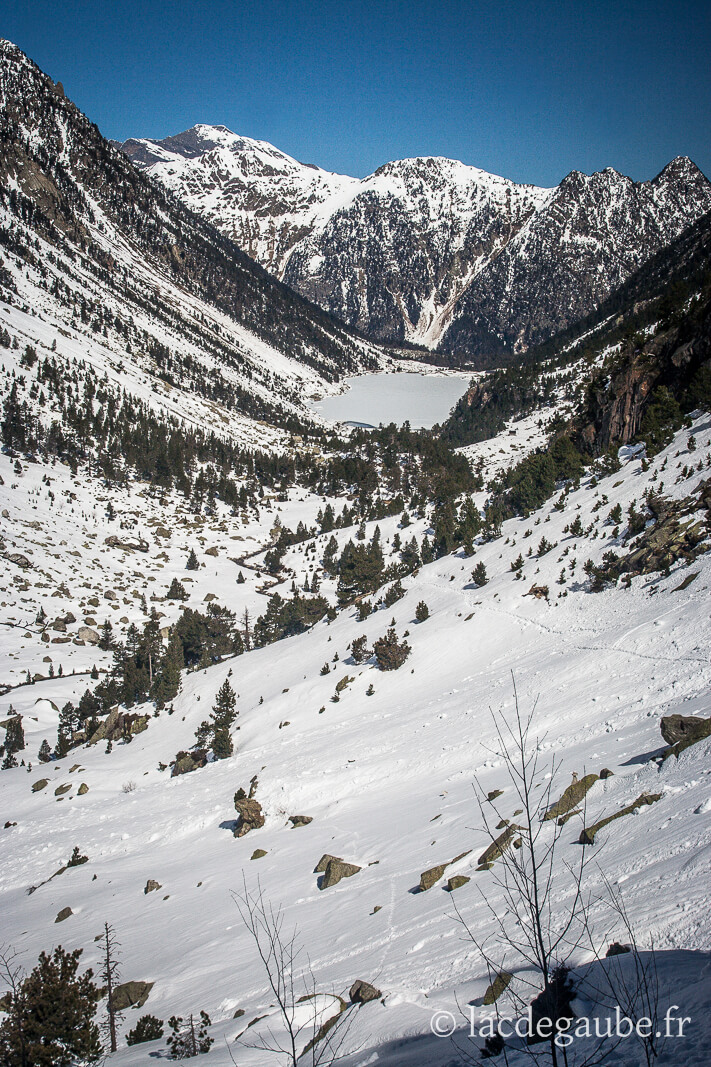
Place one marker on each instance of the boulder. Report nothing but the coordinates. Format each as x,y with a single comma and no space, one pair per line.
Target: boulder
300,820
41,784
60,625
680,731
362,992
456,882
250,812
571,797
497,848
258,854
63,914
497,987
89,636
62,789
429,877
83,789
151,886
187,762
323,863
130,995
335,871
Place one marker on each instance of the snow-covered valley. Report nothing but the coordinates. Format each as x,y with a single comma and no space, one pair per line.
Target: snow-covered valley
387,779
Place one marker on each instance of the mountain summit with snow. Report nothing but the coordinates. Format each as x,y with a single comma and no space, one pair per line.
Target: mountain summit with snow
430,251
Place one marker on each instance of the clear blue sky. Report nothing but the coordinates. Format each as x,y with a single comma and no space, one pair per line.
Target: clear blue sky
530,90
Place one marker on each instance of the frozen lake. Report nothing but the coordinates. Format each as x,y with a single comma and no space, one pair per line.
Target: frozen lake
421,399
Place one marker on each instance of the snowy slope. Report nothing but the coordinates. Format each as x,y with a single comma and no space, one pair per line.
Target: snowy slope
392,795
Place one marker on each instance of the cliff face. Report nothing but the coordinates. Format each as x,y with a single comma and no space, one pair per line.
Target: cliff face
677,360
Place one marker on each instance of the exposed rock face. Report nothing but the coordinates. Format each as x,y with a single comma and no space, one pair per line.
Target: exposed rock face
429,250
118,725
187,762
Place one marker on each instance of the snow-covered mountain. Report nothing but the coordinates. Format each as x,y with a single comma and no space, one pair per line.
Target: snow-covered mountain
428,250
173,520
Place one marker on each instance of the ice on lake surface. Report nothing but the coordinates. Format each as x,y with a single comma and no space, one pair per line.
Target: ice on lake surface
420,399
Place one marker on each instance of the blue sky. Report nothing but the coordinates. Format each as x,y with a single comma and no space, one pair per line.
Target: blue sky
527,90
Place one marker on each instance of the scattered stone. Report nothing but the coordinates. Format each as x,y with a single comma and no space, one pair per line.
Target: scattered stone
363,992
63,914
428,878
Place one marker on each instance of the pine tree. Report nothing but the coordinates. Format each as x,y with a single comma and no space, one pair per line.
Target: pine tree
14,733
45,753
148,1028
106,638
192,564
359,650
422,612
177,591
216,731
389,652
479,574
50,1015
189,1038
